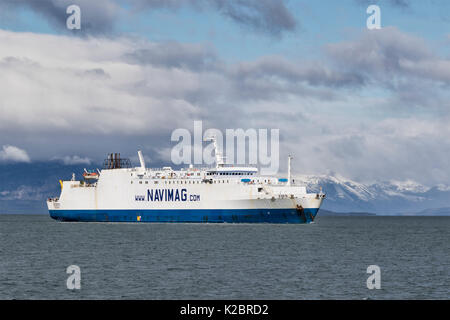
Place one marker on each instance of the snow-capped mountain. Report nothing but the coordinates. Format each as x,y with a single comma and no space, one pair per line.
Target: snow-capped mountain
386,197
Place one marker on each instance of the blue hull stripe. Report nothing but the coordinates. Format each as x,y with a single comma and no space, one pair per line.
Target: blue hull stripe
189,215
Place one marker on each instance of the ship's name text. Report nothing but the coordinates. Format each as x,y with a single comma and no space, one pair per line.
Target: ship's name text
167,195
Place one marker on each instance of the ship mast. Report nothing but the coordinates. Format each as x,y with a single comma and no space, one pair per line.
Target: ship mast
219,158
289,170
141,160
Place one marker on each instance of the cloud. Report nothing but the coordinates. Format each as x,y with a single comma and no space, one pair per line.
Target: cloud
174,55
26,192
270,17
386,52
105,86
278,72
89,85
405,65
98,17
394,3
74,160
393,148
13,154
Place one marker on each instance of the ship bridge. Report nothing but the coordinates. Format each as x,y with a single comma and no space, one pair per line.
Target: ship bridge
232,171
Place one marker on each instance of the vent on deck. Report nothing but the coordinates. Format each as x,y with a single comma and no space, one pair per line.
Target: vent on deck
115,162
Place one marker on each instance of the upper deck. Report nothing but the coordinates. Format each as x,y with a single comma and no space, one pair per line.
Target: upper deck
114,166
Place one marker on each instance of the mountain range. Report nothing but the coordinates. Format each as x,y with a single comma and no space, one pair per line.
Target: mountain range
384,197
25,186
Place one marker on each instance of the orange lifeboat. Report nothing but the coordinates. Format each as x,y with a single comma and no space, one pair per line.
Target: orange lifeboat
90,175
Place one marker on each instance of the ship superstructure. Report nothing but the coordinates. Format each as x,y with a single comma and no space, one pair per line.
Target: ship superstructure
224,193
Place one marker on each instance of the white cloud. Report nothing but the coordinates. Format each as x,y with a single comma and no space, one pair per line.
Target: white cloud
88,85
13,154
74,160
25,192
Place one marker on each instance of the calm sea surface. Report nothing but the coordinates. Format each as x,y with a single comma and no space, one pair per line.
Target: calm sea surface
324,260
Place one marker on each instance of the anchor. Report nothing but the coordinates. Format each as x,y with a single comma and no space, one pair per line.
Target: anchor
301,213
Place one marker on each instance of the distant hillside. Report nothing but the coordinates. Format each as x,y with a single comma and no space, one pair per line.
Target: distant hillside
323,212
435,212
24,187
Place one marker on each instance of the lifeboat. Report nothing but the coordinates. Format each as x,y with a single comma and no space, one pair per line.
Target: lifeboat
90,175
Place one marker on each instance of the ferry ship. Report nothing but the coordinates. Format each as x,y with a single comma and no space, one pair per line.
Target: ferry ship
223,193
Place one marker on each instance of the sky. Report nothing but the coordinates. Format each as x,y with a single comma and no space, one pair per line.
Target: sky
370,105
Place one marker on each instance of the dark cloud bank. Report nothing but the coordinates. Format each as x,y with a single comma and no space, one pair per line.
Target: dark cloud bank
271,17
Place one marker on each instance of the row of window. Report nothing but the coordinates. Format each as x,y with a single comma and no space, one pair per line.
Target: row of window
229,173
183,182
221,174
193,181
173,182
171,174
